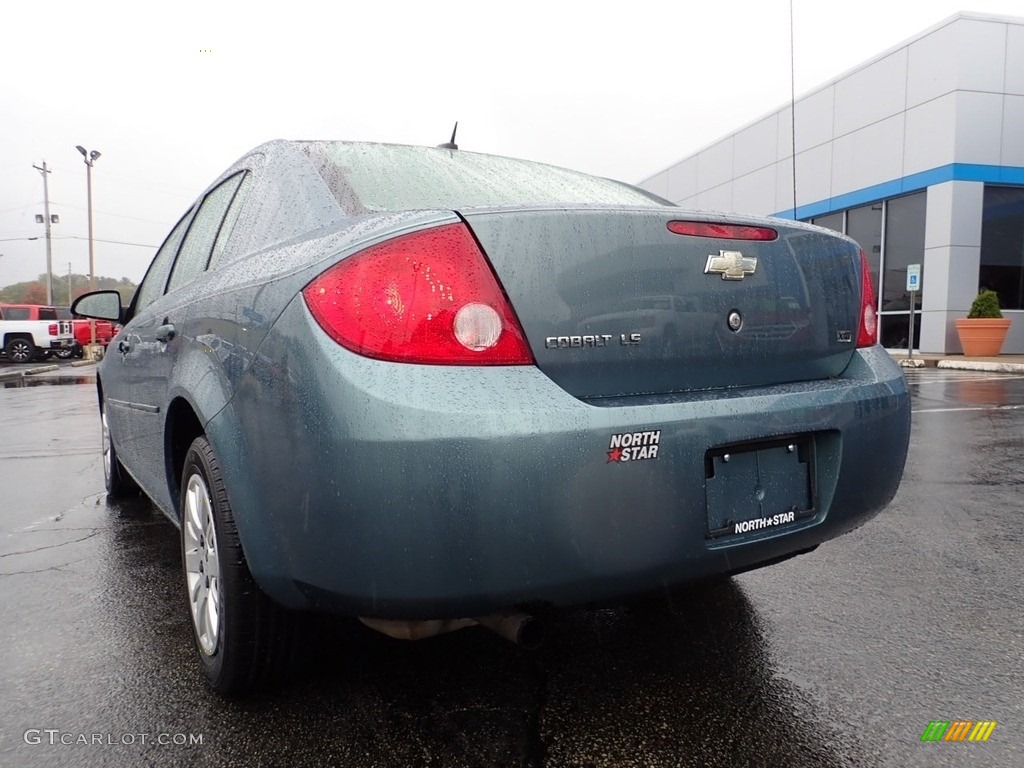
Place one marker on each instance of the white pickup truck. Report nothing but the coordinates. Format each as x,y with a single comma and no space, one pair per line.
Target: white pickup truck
23,340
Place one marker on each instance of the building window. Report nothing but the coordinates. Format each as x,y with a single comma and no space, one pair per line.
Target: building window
864,225
833,221
904,244
1002,245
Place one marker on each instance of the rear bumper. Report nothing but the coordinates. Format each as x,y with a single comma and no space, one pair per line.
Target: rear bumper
426,491
61,343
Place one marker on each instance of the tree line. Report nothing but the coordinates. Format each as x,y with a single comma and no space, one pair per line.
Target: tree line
34,291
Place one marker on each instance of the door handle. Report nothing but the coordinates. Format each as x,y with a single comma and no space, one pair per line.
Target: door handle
124,347
165,332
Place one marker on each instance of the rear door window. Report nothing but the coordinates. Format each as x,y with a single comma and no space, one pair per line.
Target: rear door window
195,251
228,225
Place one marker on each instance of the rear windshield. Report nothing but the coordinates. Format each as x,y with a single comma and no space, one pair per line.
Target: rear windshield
368,178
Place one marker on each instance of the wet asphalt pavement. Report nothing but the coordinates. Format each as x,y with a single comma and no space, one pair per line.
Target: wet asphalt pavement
837,658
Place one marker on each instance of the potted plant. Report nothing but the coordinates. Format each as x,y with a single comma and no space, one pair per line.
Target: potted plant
983,330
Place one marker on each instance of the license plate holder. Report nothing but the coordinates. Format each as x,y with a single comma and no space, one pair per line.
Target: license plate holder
759,486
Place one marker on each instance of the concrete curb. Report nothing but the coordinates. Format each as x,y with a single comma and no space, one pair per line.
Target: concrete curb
914,362
42,369
981,365
80,363
12,373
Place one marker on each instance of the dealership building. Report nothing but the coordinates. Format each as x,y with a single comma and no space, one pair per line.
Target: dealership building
917,154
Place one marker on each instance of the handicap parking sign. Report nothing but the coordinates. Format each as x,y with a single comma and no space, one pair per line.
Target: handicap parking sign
913,277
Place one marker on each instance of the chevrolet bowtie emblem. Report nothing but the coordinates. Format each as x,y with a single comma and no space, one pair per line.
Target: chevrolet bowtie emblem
731,265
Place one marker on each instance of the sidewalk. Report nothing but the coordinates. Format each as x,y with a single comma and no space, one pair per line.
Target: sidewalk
1000,364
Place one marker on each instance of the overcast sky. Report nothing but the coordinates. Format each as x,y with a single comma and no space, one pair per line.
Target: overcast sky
173,93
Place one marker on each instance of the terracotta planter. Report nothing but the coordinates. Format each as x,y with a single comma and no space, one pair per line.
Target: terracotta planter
982,336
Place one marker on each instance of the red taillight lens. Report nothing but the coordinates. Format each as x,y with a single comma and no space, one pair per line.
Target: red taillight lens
722,231
867,334
53,329
427,297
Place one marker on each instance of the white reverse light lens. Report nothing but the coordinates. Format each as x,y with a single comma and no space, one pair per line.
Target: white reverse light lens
477,327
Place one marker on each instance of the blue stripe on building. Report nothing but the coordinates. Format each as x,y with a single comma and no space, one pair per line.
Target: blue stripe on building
989,174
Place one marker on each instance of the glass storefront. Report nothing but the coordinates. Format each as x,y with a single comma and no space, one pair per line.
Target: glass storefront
1002,245
899,225
904,244
833,221
864,225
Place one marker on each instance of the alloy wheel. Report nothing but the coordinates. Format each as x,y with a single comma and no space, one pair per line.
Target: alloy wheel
202,564
108,457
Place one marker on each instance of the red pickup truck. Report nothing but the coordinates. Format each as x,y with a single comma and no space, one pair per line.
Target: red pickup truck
83,333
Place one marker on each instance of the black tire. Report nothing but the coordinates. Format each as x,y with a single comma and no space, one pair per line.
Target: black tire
244,641
20,350
64,353
117,481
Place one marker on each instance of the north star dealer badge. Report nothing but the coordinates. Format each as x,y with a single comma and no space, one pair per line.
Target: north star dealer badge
633,446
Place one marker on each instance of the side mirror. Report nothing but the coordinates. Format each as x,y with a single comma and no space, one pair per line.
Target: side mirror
100,305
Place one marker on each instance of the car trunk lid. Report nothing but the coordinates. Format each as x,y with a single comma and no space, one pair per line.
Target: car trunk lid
614,303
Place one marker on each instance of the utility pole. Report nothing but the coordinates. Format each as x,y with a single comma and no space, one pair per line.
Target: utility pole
69,283
49,254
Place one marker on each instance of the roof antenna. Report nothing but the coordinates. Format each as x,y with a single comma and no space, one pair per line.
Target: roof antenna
450,144
792,98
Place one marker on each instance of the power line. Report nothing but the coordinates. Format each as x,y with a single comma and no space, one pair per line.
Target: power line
21,207
77,237
110,213
98,240
145,182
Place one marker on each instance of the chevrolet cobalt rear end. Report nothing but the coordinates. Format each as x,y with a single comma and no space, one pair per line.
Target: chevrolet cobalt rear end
428,388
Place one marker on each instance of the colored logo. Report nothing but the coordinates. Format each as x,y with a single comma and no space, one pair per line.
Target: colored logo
958,730
633,446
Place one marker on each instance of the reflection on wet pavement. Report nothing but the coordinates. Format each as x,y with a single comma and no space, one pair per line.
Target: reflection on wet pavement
836,658
16,382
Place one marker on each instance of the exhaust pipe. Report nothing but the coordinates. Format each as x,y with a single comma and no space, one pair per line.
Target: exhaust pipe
402,629
520,628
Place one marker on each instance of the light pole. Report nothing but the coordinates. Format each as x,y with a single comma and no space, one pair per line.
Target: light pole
90,158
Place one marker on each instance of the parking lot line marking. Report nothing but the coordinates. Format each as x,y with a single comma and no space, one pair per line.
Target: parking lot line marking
971,408
932,379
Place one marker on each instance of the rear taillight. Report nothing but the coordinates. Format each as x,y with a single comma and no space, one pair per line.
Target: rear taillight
427,297
53,329
722,231
867,334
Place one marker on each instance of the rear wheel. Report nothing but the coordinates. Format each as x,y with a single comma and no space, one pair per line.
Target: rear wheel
64,353
244,640
20,350
117,481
